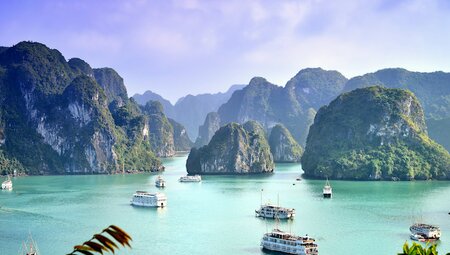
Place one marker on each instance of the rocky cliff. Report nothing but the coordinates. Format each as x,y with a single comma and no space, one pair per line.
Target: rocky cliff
234,149
160,132
55,116
371,134
180,137
283,146
207,130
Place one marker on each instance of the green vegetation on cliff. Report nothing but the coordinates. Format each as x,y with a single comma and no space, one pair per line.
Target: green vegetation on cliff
283,146
58,117
373,133
234,149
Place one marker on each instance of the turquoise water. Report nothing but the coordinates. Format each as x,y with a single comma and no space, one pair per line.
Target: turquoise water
217,215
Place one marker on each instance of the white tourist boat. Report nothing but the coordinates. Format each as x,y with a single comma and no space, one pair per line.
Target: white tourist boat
160,182
7,185
191,178
428,232
287,243
327,190
146,199
272,211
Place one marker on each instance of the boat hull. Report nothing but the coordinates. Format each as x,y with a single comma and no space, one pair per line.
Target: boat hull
327,195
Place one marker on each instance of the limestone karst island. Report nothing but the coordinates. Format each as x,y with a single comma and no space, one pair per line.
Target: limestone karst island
224,127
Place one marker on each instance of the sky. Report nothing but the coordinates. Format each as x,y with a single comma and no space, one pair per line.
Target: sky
181,47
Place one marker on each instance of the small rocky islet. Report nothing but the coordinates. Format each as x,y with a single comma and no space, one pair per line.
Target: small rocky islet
234,149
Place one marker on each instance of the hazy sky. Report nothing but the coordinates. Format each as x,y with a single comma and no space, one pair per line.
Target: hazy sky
189,46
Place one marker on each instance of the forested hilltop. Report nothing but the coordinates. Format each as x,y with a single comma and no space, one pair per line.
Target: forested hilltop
373,133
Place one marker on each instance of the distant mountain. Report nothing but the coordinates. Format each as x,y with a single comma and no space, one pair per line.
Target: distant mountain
59,117
439,130
190,111
294,105
315,87
432,89
151,96
373,133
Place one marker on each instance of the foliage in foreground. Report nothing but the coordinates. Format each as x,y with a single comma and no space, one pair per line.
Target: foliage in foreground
417,249
99,242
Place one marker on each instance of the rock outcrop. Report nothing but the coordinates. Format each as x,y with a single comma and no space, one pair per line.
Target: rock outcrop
373,133
180,137
283,146
234,149
208,129
159,129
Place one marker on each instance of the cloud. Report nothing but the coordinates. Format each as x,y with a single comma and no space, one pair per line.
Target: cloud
154,43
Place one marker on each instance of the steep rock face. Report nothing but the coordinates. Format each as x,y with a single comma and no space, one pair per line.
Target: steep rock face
160,131
234,149
373,133
54,117
208,129
283,146
112,84
315,87
180,137
94,135
268,104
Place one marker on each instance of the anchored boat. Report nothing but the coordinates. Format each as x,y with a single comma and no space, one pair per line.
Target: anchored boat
160,182
29,247
272,211
287,243
191,178
146,199
327,190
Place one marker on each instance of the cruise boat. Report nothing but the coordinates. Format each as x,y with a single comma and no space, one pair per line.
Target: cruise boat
146,199
429,232
272,211
287,243
7,185
160,182
191,178
327,190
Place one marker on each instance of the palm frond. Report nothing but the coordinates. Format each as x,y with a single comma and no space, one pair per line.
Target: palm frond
100,243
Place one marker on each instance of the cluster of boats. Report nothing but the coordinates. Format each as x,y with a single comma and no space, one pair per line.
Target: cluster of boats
281,241
158,199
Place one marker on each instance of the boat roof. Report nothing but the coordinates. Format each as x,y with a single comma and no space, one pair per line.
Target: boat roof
423,225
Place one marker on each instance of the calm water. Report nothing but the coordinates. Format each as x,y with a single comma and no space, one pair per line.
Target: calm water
217,215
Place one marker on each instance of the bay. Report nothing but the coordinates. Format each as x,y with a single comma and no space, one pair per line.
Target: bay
217,216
